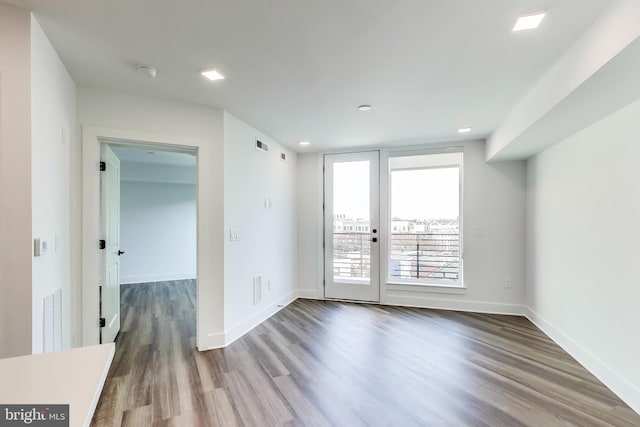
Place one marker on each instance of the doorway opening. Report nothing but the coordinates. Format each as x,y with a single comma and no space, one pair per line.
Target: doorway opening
148,218
101,276
352,236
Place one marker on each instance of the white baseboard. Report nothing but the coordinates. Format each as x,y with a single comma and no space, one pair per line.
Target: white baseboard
147,278
256,319
455,305
221,340
434,303
309,294
625,390
212,341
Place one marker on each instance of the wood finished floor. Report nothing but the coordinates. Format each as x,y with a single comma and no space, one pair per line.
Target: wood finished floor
319,363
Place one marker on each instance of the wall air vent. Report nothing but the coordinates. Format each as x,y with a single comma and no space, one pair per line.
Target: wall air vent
257,289
261,145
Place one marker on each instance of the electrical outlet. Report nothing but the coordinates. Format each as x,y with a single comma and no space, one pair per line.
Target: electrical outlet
507,283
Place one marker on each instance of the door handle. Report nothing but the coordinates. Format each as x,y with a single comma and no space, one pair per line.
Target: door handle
120,252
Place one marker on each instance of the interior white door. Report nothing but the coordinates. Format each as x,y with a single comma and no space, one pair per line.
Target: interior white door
110,307
351,226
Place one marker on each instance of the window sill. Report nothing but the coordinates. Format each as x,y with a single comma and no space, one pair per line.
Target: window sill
427,288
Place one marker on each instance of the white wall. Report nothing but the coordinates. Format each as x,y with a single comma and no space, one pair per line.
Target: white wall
127,115
494,202
53,115
157,231
266,242
15,182
583,229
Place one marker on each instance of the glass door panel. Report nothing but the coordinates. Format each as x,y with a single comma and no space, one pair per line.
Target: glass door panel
351,226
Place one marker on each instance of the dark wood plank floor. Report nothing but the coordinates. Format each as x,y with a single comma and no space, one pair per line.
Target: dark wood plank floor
319,363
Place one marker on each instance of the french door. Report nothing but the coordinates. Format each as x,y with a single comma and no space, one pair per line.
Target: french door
352,226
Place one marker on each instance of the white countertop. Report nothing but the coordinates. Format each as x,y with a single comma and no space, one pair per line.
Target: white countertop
73,377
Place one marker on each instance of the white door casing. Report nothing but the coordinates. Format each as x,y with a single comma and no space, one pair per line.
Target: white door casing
210,296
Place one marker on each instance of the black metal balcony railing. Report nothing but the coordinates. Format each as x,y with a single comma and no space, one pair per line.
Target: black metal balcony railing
414,256
425,256
351,255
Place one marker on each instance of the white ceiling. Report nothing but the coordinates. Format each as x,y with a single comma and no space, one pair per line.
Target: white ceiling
297,69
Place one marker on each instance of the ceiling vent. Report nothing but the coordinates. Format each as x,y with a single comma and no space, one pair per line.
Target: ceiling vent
261,145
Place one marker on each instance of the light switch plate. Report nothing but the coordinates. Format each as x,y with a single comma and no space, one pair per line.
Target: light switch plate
39,247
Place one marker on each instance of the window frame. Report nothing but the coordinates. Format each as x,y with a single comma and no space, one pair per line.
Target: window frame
434,285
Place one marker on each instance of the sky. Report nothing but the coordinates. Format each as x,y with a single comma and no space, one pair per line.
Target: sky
415,194
350,185
425,194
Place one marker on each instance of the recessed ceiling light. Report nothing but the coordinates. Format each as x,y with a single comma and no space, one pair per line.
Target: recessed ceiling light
304,143
529,22
212,74
464,130
364,107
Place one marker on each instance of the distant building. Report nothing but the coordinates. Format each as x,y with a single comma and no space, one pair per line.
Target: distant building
343,224
420,249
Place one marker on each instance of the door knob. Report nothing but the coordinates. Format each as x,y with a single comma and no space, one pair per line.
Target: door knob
120,252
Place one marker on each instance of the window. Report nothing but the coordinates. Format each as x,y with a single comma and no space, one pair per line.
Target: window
425,201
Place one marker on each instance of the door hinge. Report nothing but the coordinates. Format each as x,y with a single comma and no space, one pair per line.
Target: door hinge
103,322
103,244
103,166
